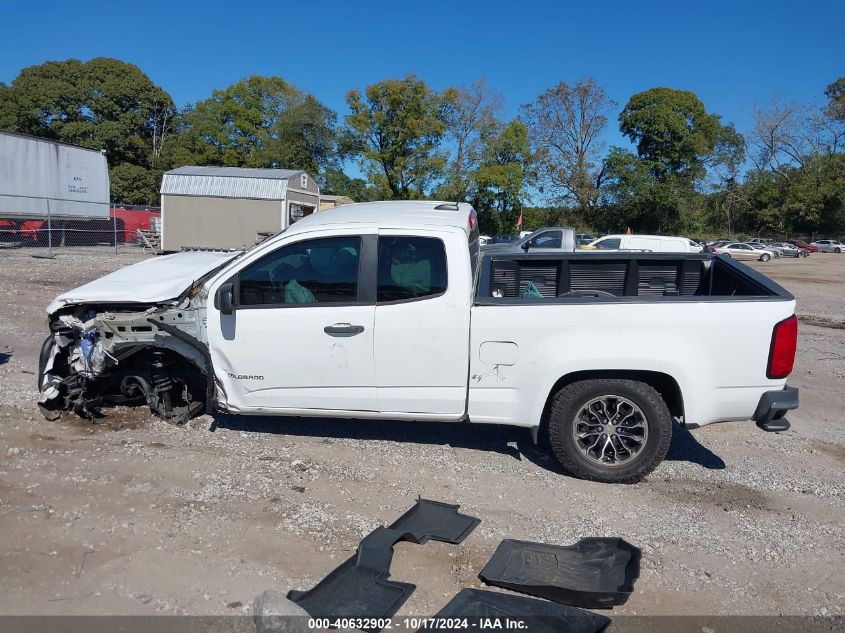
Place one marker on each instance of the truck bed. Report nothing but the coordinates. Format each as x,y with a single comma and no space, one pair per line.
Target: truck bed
619,277
701,325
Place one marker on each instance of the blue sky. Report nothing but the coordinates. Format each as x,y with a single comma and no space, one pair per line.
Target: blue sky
732,54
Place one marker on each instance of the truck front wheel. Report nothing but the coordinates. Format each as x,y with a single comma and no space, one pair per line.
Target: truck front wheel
609,430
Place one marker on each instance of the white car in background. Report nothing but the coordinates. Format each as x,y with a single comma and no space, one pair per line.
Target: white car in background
738,250
651,243
829,246
788,250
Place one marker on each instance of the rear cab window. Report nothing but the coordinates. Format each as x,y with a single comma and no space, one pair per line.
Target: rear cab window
410,268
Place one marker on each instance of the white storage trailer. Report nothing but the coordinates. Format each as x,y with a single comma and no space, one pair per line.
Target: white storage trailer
41,178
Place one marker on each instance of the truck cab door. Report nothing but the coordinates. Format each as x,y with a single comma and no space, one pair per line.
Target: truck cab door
424,294
300,338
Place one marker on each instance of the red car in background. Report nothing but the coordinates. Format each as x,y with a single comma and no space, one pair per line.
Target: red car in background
807,247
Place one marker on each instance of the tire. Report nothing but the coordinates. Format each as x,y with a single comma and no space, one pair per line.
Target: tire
765,257
43,357
572,409
837,250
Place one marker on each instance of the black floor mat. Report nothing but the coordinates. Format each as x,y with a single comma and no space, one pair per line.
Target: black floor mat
483,609
595,573
360,587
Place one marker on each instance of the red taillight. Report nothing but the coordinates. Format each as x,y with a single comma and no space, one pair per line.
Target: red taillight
471,220
782,352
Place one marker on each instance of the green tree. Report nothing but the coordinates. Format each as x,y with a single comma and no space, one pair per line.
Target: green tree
674,134
501,177
565,125
258,122
7,108
133,184
471,119
677,140
336,182
798,183
835,93
395,128
103,104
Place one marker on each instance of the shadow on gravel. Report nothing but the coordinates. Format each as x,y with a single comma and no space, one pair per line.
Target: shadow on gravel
510,441
4,357
685,448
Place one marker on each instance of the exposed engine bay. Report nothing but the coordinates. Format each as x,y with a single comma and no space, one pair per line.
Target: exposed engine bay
99,356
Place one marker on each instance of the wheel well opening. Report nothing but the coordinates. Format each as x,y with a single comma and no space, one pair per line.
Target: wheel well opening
664,384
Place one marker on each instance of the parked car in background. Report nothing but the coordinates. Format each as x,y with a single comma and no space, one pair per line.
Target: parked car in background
503,238
651,243
710,247
484,240
550,238
788,250
810,248
583,238
757,246
738,250
829,246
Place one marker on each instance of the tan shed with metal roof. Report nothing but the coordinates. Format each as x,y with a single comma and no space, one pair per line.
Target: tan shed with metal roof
231,207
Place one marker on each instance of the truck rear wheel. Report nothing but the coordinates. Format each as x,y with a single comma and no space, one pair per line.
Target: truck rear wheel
609,430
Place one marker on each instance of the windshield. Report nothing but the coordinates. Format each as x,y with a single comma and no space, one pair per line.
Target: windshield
195,287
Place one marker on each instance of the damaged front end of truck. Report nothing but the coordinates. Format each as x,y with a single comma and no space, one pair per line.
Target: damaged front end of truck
95,358
109,353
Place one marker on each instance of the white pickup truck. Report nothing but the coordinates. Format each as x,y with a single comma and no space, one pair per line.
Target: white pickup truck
389,310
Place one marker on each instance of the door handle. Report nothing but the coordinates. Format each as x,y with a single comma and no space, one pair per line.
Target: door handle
343,329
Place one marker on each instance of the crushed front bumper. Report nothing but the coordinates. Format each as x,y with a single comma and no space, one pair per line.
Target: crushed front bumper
773,406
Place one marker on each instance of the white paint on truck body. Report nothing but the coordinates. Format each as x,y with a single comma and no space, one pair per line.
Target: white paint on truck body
151,281
694,343
441,357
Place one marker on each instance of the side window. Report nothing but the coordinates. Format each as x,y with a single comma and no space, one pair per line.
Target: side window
311,271
549,239
410,267
611,243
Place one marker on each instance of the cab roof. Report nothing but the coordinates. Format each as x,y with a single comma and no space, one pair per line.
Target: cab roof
390,214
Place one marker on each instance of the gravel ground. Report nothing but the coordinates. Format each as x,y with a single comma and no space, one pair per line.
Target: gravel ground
134,516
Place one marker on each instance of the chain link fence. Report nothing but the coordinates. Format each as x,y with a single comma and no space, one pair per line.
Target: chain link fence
126,227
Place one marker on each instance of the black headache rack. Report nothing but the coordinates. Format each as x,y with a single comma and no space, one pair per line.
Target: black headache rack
517,279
